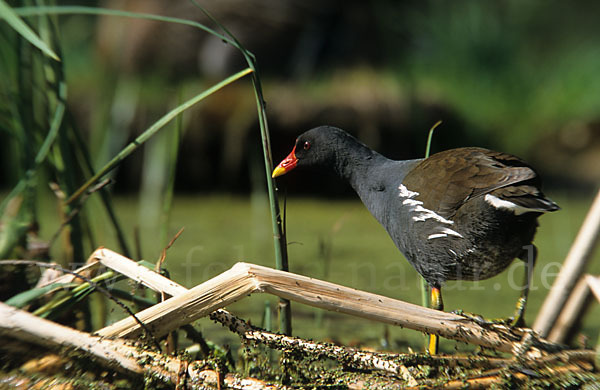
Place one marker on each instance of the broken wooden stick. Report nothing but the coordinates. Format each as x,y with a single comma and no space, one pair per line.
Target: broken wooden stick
244,279
391,363
354,358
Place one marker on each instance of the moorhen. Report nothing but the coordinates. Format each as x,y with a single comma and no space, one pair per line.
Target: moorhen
461,214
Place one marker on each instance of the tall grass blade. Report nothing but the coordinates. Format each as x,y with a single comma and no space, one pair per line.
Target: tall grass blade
281,257
158,125
173,154
104,194
83,10
13,20
27,297
425,298
42,152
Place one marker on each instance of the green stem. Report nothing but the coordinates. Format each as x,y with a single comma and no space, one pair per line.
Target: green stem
281,258
425,298
79,288
430,137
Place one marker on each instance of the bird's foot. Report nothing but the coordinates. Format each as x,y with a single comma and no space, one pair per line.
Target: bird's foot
473,317
518,319
516,322
480,320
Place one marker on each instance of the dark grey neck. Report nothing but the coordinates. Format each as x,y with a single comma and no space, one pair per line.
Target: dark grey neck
363,167
354,164
371,175
367,170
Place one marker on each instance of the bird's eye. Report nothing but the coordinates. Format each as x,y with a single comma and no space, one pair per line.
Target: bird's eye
306,145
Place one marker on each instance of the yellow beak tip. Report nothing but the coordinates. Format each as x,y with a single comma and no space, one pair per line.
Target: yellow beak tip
278,172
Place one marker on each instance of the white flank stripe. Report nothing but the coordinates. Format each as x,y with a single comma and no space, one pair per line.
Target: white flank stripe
411,202
424,214
505,204
445,232
437,235
452,232
421,213
406,193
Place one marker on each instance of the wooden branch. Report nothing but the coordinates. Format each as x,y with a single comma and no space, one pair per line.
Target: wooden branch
243,279
116,354
572,269
357,359
571,311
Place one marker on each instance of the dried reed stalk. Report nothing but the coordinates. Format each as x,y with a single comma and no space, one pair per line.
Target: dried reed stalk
577,259
571,312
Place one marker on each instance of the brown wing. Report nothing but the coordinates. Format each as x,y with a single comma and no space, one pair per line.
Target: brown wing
446,180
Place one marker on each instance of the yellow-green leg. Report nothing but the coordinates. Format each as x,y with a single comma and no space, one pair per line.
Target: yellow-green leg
437,304
529,257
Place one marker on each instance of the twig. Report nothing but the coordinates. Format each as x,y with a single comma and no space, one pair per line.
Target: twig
487,379
163,254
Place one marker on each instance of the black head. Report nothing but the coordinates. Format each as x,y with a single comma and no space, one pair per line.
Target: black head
316,147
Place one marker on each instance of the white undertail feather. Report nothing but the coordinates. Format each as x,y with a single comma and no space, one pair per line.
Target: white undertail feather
510,206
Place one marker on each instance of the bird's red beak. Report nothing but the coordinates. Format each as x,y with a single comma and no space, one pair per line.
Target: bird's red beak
286,165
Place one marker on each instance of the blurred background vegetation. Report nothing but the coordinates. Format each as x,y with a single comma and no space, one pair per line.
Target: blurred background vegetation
518,76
